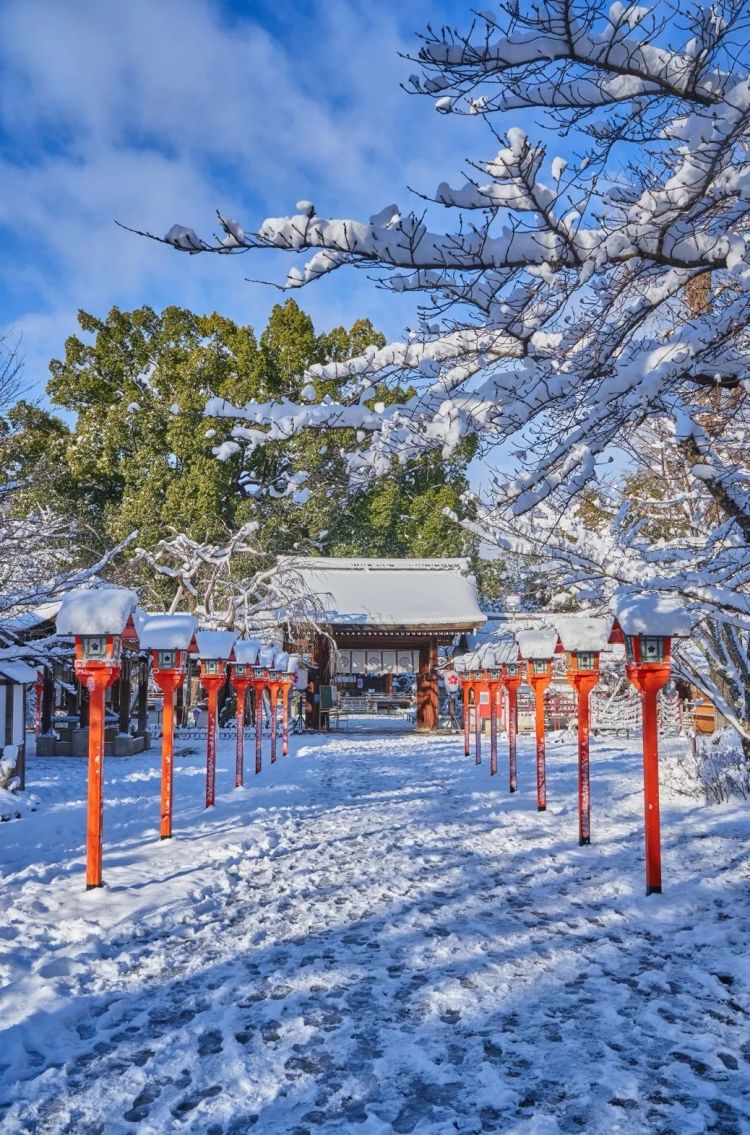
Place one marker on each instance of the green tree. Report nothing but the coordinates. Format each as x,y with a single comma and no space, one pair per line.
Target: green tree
140,455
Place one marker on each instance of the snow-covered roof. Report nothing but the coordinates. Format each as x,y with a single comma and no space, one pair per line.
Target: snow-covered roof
96,611
268,656
654,614
540,642
246,651
166,632
18,672
415,593
215,644
583,632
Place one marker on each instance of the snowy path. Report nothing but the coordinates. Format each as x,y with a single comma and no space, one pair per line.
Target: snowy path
373,939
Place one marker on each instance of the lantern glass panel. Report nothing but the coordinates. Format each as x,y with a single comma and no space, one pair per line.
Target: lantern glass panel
652,649
629,650
94,647
512,669
167,659
540,665
586,660
239,670
211,666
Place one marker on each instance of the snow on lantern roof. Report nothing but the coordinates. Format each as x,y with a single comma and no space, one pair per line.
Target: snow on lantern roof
166,632
215,644
267,656
540,642
96,611
417,593
657,613
505,649
583,632
246,651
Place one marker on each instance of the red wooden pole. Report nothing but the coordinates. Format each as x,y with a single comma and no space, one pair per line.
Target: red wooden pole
239,762
512,687
95,814
168,681
477,726
274,691
258,726
493,729
651,790
285,689
96,681
467,742
541,762
213,696
584,778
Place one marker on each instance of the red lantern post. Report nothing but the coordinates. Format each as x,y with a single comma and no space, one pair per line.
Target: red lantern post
477,718
512,680
539,677
98,619
583,637
494,686
648,624
466,695
214,649
286,689
168,637
538,647
242,682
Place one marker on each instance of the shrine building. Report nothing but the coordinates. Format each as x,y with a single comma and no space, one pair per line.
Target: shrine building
385,617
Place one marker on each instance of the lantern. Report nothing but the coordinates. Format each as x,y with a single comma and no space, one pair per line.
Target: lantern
98,619
648,623
538,647
214,650
168,638
245,659
583,638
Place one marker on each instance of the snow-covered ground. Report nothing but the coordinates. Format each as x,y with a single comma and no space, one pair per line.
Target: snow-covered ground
373,937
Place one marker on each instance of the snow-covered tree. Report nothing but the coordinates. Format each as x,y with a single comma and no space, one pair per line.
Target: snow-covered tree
576,292
235,585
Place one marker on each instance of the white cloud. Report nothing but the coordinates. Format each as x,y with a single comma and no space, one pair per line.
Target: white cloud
160,113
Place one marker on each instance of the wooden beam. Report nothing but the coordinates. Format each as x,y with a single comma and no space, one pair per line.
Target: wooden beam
427,688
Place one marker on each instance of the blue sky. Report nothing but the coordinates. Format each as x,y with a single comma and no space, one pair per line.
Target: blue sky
160,112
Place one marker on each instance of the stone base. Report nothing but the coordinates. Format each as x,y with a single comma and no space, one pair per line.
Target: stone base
128,746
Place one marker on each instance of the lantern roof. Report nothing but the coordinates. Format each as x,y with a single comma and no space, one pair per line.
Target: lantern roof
215,644
96,611
362,593
540,642
246,651
653,613
166,632
583,632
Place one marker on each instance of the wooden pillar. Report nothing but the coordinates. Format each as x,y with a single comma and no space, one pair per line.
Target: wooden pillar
123,694
427,688
142,698
48,701
388,684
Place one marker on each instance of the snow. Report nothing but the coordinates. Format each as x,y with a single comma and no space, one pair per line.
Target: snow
403,593
18,672
654,614
246,651
166,632
215,644
583,632
538,642
96,611
373,936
